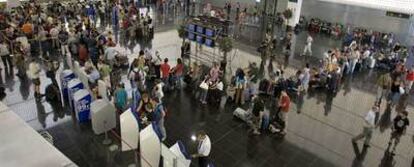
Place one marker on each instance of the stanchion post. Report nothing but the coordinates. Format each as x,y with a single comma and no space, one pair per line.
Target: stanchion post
107,140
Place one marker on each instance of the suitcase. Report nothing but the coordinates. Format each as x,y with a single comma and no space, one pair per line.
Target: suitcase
242,114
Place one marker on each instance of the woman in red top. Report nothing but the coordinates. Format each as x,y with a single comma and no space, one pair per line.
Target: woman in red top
284,105
410,79
165,72
178,72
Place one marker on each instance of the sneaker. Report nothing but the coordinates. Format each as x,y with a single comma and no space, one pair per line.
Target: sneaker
256,132
366,146
274,130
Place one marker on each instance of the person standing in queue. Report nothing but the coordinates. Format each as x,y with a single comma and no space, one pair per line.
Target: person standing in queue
165,72
399,128
282,114
157,64
203,149
158,116
34,74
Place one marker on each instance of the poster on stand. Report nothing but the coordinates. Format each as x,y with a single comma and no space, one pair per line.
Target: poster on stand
73,86
82,101
150,147
129,131
183,157
103,116
65,77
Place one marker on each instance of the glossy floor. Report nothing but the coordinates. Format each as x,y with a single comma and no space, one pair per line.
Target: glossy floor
319,136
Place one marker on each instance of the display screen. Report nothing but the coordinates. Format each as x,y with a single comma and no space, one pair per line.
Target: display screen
210,32
200,29
209,42
191,36
191,27
200,39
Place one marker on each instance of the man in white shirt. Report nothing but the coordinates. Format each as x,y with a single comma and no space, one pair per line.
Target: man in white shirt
371,120
308,46
157,90
34,74
5,55
157,60
355,56
203,149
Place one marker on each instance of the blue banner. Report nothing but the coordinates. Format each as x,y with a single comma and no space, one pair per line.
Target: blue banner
65,77
82,102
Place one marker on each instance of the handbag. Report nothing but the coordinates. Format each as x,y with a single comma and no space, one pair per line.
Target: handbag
204,85
402,91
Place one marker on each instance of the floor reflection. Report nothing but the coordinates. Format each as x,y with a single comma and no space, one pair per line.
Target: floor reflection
359,156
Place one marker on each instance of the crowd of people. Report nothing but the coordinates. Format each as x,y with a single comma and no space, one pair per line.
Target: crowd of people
55,31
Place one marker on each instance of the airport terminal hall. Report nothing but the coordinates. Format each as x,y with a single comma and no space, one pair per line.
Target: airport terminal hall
206,83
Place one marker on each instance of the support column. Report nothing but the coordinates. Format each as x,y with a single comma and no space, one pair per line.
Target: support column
296,7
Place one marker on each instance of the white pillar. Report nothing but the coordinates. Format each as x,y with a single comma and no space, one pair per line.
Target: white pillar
410,39
296,8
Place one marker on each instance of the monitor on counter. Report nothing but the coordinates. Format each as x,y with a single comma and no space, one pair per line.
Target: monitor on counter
200,29
210,42
191,27
200,39
210,32
191,36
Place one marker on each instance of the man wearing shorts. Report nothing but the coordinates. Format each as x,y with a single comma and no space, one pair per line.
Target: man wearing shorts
399,128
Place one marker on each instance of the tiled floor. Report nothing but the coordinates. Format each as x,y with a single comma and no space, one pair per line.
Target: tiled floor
320,136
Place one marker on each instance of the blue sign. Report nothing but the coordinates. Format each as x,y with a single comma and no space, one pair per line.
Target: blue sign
82,101
65,77
73,86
